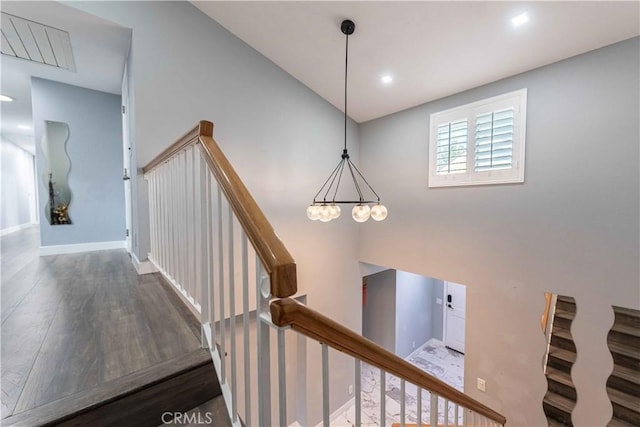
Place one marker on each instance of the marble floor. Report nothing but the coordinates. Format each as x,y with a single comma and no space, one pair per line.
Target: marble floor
434,358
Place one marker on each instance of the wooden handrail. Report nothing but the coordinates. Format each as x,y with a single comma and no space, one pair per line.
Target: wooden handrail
275,257
287,312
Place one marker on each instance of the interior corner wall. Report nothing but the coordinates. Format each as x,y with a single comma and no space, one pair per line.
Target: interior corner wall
379,310
95,151
572,227
281,137
18,189
413,323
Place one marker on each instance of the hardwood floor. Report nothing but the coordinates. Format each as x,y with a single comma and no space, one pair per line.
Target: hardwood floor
71,323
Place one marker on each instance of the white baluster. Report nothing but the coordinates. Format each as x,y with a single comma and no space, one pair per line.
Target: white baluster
211,185
232,317
203,233
282,379
456,415
446,412
402,403
383,397
358,393
433,409
419,406
325,386
221,285
245,327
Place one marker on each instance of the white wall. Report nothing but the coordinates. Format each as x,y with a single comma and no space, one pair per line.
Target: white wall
281,137
572,228
413,302
18,189
379,312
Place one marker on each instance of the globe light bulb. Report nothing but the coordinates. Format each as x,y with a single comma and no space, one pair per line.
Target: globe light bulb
379,212
325,213
361,213
335,211
313,212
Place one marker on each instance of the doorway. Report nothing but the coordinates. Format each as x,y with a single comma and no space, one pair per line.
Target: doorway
455,296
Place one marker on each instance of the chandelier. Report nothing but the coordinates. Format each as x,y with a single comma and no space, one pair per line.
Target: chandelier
325,207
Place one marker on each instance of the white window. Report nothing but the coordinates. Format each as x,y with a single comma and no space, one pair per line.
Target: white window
479,143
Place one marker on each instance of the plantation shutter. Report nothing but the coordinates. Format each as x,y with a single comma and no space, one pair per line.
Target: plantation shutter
451,147
494,140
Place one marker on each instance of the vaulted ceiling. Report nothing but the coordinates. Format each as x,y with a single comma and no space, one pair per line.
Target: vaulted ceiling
430,49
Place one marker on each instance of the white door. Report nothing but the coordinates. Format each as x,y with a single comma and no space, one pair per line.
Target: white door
455,300
126,153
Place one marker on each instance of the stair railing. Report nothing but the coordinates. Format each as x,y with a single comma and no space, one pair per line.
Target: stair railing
211,241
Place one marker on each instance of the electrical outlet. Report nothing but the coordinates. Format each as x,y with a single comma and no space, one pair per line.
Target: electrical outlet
350,389
481,384
413,344
439,301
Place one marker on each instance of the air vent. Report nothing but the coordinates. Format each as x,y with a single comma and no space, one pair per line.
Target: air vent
36,42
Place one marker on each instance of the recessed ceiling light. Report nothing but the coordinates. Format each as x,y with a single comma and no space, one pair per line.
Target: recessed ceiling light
520,19
5,98
25,127
386,79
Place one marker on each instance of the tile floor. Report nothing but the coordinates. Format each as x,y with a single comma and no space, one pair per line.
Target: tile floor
434,358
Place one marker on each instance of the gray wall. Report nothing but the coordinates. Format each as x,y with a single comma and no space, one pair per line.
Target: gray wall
437,314
571,228
379,313
95,150
18,190
414,296
281,137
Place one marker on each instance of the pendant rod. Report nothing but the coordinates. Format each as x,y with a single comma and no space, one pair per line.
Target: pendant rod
346,67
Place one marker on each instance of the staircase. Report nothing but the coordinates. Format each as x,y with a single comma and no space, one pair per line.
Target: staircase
623,386
142,398
561,394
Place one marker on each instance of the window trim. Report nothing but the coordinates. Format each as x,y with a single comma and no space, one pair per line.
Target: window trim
516,99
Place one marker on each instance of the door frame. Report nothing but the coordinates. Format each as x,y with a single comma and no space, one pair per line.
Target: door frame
126,156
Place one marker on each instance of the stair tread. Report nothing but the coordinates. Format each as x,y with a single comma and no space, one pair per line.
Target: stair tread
559,353
631,375
564,298
565,314
559,402
559,376
626,311
626,329
562,333
84,401
624,350
624,399
616,422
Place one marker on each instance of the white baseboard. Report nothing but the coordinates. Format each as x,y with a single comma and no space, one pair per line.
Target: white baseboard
82,247
143,267
14,229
